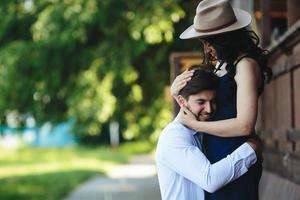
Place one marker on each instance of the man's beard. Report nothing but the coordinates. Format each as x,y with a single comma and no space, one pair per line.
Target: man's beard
195,115
200,115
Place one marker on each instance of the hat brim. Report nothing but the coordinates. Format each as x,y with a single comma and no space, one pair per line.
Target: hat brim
243,20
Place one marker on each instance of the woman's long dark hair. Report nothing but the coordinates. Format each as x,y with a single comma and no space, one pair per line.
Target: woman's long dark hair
229,46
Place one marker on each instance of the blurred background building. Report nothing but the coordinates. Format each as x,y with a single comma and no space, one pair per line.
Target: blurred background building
279,120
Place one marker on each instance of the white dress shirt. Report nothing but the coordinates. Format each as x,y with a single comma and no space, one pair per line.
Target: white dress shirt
184,171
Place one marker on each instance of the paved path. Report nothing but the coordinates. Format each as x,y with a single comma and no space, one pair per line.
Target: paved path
134,181
138,181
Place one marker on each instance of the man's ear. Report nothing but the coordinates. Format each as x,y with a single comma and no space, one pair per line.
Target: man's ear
181,101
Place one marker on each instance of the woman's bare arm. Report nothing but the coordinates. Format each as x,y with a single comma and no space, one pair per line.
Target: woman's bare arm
247,79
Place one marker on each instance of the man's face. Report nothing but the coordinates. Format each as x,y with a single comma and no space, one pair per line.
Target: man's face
202,104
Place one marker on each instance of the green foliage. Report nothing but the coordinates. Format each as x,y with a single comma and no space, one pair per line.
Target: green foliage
93,61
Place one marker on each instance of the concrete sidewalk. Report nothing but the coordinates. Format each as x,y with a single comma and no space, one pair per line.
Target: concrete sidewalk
134,181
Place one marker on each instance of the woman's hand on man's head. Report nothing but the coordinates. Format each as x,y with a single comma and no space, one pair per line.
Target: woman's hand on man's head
180,81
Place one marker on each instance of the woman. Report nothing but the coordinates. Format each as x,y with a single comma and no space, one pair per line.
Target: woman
242,73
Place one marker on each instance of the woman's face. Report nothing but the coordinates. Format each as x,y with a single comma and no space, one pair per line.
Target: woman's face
209,49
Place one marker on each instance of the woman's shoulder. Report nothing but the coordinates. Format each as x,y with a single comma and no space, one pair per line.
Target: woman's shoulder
245,58
247,63
248,67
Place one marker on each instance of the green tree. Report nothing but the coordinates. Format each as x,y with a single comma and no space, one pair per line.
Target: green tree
93,61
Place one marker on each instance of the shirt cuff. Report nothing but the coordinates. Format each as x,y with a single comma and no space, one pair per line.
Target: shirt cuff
248,153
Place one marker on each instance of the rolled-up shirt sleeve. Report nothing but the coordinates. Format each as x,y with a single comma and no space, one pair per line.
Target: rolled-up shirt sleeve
180,154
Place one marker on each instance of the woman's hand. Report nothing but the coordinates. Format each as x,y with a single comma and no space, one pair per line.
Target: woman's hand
187,118
180,81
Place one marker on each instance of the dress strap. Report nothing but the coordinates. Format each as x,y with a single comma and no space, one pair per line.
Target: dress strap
244,55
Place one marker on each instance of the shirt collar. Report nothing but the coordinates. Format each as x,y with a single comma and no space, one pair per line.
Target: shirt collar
192,131
222,70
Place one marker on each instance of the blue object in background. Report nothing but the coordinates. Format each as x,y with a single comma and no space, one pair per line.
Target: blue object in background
48,135
55,136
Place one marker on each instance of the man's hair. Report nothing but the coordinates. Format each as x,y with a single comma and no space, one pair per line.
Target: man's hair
201,80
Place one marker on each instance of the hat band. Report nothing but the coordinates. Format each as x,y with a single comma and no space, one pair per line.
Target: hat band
217,28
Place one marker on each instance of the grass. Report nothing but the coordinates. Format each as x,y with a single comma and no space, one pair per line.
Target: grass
47,186
50,174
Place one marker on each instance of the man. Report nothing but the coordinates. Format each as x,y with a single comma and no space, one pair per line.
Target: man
183,170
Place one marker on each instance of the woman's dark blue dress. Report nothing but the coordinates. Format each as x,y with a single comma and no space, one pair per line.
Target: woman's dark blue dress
245,187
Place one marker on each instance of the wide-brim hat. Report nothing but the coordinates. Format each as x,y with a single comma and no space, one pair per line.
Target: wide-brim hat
215,17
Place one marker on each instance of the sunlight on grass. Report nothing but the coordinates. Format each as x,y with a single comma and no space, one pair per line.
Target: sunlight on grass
29,161
49,167
51,173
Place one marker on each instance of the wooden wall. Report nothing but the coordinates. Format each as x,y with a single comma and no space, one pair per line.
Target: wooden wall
279,120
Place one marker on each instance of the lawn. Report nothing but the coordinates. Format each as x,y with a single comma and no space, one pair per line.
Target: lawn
50,174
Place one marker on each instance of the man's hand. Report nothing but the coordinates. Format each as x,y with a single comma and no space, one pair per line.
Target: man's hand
256,143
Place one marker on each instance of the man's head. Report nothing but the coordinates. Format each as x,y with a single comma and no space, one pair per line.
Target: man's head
199,94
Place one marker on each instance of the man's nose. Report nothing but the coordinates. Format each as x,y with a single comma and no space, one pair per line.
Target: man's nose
208,108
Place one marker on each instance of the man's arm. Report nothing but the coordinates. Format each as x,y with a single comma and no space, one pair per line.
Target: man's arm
179,154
